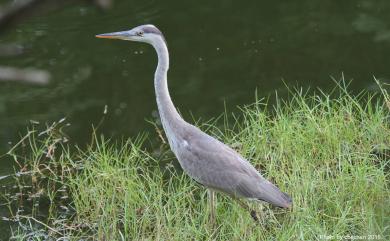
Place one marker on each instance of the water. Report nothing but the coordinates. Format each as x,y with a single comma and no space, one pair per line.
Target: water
221,51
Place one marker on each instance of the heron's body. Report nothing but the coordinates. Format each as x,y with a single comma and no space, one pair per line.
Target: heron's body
204,158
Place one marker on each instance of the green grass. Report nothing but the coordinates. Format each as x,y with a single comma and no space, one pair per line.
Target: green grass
330,153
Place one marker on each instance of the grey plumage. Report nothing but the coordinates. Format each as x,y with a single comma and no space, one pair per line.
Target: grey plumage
202,157
217,166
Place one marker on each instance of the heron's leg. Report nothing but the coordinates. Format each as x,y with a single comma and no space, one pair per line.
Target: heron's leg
212,206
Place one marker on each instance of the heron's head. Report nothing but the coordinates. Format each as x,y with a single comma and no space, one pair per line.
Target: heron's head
145,33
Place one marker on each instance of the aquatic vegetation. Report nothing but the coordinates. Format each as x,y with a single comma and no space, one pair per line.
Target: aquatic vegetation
330,152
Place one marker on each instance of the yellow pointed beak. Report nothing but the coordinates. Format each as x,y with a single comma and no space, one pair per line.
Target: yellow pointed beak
114,35
104,36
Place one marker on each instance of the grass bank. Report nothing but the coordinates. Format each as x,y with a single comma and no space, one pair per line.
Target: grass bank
330,153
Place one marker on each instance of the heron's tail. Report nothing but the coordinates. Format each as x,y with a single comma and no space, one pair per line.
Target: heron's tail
271,194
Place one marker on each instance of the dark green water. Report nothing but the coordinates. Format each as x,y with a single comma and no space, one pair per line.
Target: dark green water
221,51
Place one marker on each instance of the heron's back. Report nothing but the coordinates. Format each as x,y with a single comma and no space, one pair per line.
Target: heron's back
217,166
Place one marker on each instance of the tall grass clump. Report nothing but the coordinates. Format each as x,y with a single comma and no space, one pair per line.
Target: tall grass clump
124,193
329,152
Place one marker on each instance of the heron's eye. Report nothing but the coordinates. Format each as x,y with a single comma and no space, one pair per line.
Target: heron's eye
140,34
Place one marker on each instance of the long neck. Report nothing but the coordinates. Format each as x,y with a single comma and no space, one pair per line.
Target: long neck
170,118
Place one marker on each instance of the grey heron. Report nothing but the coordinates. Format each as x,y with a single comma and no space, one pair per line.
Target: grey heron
204,158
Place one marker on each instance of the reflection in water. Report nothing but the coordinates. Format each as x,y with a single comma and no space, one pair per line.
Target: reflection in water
220,52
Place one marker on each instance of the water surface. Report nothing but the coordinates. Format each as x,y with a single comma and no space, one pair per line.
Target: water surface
221,51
